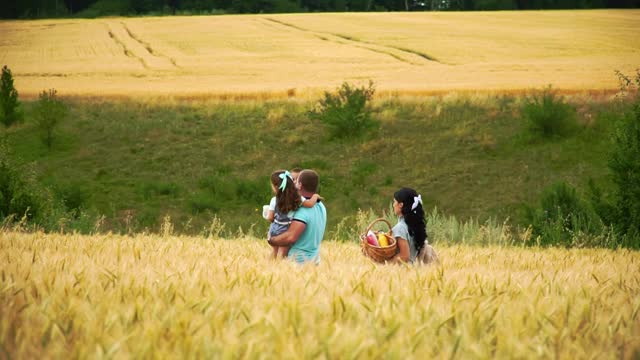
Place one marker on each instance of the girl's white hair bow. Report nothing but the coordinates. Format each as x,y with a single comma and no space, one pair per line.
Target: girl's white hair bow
416,200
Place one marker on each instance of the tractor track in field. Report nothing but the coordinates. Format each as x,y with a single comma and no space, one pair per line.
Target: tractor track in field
148,47
404,55
135,48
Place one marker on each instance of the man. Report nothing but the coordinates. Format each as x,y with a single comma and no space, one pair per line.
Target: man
307,227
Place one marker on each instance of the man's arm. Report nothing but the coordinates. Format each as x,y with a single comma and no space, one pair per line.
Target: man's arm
290,236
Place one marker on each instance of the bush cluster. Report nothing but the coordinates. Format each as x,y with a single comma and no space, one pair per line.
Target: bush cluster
345,113
563,217
548,114
624,164
22,197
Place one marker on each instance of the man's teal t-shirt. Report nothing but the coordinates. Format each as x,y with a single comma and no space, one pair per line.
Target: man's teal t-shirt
307,248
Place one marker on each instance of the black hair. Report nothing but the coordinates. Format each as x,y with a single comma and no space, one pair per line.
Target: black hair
414,218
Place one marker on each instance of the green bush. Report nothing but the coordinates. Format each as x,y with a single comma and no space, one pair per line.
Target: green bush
346,113
624,164
72,195
49,112
22,196
152,189
202,202
253,191
361,171
9,104
548,115
563,217
222,186
148,218
600,203
24,201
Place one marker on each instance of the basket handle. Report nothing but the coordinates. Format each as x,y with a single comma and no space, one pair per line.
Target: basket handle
378,220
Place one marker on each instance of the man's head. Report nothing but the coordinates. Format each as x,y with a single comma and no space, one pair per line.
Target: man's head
308,181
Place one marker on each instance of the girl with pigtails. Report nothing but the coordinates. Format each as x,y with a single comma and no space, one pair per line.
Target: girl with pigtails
411,230
283,206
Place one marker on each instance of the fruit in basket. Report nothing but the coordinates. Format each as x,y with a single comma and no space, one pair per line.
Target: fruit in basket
382,240
371,238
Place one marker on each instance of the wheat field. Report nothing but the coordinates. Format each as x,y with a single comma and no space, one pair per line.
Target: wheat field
165,296
296,54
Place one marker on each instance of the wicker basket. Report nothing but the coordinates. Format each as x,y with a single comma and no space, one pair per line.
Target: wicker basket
378,253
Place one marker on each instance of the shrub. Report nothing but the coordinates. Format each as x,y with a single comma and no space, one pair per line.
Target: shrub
21,195
562,217
82,221
624,164
600,204
153,189
253,191
220,186
72,195
49,112
361,171
346,113
548,115
9,104
202,202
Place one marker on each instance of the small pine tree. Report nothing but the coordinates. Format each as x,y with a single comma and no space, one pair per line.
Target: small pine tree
9,105
49,112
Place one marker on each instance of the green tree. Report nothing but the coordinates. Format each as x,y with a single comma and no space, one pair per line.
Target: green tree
49,112
9,104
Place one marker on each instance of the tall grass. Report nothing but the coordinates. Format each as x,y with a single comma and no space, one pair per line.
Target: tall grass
149,296
448,230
